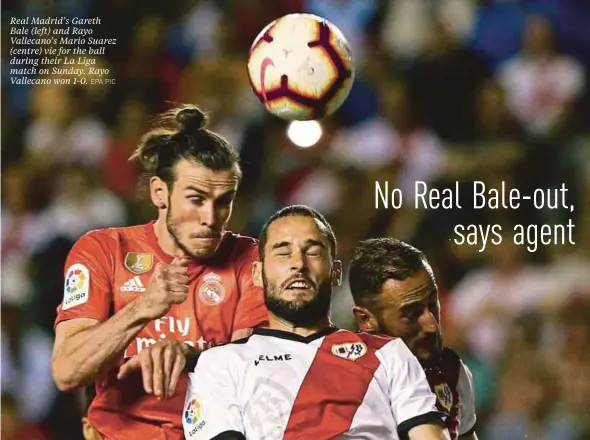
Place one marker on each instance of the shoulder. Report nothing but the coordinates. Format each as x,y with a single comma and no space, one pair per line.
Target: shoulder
240,249
242,244
384,348
450,356
458,371
93,244
451,365
453,362
375,341
100,245
107,236
243,240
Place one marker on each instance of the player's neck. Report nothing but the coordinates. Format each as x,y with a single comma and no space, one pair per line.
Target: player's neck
165,240
276,323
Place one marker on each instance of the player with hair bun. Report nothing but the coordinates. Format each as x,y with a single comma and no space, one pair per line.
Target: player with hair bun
138,301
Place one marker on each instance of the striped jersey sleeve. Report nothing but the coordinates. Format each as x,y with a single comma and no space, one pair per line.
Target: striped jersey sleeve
211,409
465,388
412,401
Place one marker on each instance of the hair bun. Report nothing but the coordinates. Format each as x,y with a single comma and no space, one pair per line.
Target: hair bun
191,118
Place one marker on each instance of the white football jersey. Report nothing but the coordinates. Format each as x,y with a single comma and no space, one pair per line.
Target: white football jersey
465,387
334,384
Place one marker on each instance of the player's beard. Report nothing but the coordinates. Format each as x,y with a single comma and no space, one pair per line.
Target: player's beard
176,237
294,311
428,349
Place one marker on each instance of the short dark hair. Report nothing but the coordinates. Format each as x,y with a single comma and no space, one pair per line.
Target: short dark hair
303,211
377,260
182,133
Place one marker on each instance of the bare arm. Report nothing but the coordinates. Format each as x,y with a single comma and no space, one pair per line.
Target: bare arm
430,431
84,347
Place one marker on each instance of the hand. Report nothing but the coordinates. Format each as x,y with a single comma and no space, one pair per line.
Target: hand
161,365
168,285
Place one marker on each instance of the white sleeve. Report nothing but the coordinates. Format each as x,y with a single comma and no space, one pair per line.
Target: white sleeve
211,406
412,400
466,400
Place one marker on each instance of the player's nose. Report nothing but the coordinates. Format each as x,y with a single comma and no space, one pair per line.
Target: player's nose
208,217
297,262
428,322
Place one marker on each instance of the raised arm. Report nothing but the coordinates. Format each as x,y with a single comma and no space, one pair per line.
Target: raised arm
87,340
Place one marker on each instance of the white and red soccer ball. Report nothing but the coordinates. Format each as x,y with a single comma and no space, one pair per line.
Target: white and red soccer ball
301,67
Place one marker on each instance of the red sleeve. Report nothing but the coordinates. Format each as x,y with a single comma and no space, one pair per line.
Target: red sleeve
87,286
251,311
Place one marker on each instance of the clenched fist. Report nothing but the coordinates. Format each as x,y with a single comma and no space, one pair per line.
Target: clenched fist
168,285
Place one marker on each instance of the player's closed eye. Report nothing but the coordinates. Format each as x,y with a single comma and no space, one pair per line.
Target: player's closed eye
315,251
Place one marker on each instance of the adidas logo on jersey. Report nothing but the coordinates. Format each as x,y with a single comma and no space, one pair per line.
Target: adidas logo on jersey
133,285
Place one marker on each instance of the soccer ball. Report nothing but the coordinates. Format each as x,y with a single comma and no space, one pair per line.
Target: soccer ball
301,67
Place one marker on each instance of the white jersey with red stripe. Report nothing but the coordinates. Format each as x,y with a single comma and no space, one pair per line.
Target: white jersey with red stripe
333,384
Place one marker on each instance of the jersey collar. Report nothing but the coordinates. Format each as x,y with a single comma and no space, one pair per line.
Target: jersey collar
293,336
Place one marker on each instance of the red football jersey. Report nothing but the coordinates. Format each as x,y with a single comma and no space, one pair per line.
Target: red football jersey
108,268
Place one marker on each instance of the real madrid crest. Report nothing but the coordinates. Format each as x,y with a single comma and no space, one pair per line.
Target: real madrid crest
139,263
444,395
212,291
349,350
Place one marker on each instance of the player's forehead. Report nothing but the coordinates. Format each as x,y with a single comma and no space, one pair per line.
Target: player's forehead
418,287
194,175
296,230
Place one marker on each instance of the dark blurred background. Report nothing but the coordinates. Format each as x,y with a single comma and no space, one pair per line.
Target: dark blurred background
446,90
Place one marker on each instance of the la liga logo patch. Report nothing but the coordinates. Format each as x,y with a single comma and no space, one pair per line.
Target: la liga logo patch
76,286
76,280
192,413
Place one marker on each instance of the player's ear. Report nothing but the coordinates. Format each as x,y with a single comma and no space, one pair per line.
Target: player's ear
365,320
337,269
159,192
257,274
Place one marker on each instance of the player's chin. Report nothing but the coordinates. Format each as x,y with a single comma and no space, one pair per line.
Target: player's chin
427,352
424,354
204,247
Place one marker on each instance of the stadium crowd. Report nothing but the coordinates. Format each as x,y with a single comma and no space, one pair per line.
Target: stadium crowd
446,91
